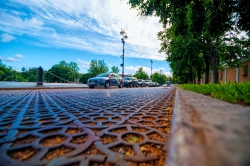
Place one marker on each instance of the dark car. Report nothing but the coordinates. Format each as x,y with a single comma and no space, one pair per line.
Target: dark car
106,80
130,82
168,83
141,83
148,83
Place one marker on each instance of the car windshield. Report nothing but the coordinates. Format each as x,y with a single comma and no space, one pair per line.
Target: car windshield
148,81
127,78
139,80
103,75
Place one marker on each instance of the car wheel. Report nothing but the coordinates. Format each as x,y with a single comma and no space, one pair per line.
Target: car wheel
91,87
120,86
107,85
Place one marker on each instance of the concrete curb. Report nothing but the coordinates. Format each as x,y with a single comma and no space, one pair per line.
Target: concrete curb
206,132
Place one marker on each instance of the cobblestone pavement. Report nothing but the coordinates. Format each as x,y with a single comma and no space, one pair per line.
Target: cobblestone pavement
85,127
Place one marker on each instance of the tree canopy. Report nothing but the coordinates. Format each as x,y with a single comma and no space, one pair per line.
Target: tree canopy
62,72
25,75
97,67
140,74
196,34
115,69
160,78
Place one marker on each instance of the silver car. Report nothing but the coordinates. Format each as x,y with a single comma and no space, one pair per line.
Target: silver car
148,83
106,80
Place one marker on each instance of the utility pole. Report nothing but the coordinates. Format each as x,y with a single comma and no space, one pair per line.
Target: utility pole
151,68
123,41
124,36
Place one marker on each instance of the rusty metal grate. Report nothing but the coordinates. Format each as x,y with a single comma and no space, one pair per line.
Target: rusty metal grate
85,127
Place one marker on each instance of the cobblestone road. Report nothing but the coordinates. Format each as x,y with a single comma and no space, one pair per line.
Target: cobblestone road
85,127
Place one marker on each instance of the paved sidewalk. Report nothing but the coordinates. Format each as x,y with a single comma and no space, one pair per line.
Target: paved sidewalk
209,132
33,85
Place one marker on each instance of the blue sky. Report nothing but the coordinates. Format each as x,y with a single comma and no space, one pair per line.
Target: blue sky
35,33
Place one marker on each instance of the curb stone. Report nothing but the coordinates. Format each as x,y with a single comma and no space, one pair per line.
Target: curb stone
208,132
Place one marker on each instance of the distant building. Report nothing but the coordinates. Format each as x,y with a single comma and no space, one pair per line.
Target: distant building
240,74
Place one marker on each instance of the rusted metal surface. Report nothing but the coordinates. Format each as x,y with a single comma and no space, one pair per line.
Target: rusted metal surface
83,127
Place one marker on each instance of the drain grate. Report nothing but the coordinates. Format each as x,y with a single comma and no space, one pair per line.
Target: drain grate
85,127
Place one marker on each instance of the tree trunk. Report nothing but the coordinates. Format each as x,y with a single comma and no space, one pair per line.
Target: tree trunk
190,75
194,79
207,65
199,74
213,57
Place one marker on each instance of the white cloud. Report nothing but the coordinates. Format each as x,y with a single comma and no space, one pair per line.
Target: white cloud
6,38
9,59
133,70
168,74
51,26
19,56
83,64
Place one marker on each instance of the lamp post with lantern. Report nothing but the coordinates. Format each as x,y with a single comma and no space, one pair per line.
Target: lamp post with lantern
124,36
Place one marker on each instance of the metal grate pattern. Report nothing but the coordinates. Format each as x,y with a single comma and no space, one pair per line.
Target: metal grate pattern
84,126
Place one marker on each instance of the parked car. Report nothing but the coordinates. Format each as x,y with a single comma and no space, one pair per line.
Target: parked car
148,83
153,84
168,83
141,83
106,80
130,82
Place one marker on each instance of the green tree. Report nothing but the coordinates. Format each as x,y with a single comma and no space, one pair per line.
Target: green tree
204,21
85,77
7,73
115,69
160,78
140,74
1,70
29,75
97,67
243,15
19,78
1,74
62,72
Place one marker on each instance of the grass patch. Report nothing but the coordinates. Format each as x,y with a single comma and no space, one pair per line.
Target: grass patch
230,92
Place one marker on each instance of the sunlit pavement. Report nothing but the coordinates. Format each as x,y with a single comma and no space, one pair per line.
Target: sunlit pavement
206,131
85,126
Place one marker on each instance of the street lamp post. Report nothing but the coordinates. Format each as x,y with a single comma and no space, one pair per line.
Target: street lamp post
151,68
124,36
